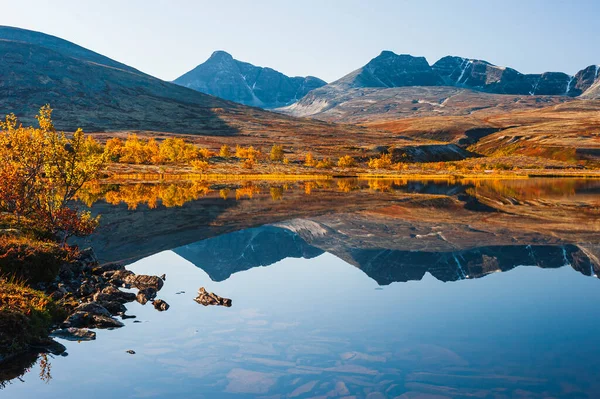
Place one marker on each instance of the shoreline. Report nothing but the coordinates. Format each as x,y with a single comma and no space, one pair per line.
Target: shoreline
173,177
84,295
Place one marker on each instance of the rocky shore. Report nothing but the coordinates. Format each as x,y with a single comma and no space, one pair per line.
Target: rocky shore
92,296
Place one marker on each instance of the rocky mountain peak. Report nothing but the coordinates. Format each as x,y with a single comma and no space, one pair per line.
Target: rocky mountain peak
221,55
393,70
223,76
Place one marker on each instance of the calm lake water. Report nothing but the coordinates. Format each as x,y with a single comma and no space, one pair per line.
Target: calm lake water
387,301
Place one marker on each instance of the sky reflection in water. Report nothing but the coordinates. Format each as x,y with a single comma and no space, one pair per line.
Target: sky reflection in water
321,327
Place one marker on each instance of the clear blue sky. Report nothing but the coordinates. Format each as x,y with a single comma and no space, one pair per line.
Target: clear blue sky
325,38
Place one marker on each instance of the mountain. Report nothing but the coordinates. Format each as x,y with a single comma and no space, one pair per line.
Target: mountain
482,75
391,70
225,77
395,86
593,91
96,93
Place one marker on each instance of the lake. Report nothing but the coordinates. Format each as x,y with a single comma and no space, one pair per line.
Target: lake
347,288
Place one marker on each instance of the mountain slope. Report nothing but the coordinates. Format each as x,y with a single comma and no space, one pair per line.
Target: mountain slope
59,45
225,77
96,93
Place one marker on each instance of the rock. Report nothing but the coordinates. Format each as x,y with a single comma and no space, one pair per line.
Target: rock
93,308
87,256
88,320
118,277
160,305
86,289
142,281
99,270
58,294
125,316
113,307
208,298
74,334
163,277
131,352
145,295
110,294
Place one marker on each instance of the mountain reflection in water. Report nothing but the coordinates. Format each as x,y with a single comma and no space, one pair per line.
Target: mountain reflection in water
222,256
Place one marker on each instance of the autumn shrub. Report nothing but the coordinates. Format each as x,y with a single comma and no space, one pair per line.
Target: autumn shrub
276,154
202,166
309,160
346,162
325,163
225,151
205,153
383,162
41,172
114,149
248,163
247,153
176,150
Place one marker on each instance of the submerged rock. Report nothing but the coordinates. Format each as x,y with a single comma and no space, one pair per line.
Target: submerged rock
208,298
74,334
131,352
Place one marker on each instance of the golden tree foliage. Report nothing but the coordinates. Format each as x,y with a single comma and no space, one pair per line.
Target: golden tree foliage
325,163
202,166
149,152
225,151
346,162
42,170
276,153
309,160
383,162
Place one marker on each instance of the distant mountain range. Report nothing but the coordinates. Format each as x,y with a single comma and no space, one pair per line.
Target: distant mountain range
225,77
97,93
392,71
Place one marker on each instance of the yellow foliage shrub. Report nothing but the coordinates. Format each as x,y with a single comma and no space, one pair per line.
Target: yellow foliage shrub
346,162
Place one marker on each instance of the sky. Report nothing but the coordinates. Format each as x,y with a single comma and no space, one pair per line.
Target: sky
323,38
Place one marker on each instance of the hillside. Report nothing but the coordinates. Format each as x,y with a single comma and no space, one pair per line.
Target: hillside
225,77
98,94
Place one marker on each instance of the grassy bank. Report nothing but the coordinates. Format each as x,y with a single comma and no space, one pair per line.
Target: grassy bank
26,316
26,259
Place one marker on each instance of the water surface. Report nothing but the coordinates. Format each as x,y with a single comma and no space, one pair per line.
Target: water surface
488,293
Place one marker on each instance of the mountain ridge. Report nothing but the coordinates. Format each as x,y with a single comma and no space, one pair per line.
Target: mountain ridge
392,71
